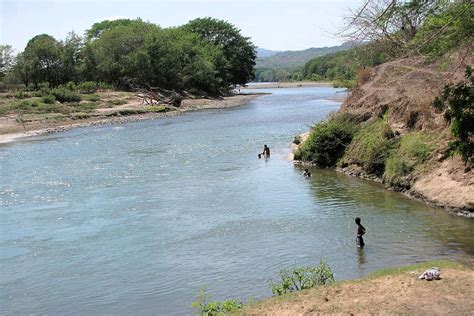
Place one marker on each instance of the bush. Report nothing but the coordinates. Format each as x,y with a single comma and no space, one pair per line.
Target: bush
49,99
457,101
87,87
328,140
363,75
63,95
214,308
297,279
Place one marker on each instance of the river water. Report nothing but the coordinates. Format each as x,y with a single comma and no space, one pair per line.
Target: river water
136,218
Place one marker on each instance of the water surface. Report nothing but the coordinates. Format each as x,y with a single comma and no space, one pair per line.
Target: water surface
136,218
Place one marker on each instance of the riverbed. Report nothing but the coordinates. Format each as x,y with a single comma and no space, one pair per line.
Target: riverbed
136,218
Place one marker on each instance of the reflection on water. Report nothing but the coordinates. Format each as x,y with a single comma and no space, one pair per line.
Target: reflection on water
106,220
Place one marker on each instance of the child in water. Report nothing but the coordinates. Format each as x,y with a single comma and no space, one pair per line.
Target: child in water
360,232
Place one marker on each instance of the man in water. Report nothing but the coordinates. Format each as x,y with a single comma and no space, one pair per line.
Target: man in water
306,173
266,151
360,232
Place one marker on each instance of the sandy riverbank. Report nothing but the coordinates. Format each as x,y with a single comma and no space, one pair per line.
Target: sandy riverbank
11,130
388,292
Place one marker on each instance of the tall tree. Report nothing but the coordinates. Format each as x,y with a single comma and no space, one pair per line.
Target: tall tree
44,54
6,59
237,64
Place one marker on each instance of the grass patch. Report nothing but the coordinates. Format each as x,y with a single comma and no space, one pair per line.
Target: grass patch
90,97
370,147
413,150
115,102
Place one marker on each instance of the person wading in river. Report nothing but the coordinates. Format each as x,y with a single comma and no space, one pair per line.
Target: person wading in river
360,232
266,151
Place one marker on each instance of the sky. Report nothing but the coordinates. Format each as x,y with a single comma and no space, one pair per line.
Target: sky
271,24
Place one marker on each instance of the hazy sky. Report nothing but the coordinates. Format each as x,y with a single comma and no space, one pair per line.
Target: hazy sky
272,24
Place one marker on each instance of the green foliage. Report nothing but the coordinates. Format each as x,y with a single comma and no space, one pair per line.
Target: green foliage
328,140
215,308
87,87
446,30
63,95
370,147
343,83
236,63
49,99
301,278
342,67
458,103
410,152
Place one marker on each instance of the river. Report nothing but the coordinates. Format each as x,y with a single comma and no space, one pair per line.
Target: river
136,218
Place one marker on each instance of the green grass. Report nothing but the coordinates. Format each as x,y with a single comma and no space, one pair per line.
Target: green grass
370,147
413,150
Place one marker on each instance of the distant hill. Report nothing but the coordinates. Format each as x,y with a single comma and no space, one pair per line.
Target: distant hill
298,58
262,52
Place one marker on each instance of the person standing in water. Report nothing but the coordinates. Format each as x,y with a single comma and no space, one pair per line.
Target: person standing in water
360,232
306,173
266,151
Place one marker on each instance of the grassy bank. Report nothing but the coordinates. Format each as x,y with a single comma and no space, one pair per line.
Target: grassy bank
389,291
367,146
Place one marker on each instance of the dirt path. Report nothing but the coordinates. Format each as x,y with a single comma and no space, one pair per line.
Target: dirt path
400,293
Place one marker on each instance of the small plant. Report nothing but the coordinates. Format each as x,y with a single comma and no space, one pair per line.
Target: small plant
206,308
297,140
297,279
49,99
363,75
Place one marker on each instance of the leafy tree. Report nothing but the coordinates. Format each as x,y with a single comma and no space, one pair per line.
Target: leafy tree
23,69
71,58
119,50
43,52
6,59
458,101
238,60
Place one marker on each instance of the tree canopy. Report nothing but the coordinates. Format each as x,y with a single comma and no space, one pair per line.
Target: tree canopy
205,55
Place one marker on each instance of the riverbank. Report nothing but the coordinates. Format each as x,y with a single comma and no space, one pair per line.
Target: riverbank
390,291
296,84
11,129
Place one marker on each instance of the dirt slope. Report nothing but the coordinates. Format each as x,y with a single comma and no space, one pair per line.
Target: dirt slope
393,294
403,92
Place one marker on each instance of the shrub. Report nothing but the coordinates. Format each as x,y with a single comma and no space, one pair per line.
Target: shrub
328,140
49,99
297,279
214,308
87,87
363,75
64,95
457,100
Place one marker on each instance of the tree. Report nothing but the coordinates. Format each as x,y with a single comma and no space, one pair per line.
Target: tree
119,50
238,59
43,53
6,59
393,23
71,58
458,103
